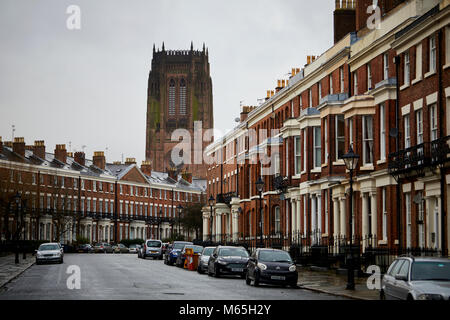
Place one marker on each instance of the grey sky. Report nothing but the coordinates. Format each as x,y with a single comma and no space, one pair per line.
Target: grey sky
89,86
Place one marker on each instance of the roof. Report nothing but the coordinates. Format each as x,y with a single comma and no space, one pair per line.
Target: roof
111,171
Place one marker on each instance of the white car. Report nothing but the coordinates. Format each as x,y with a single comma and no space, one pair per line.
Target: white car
49,252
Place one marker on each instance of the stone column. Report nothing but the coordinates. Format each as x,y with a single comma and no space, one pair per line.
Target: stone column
297,214
293,217
235,205
206,211
343,215
365,218
336,222
313,213
319,215
373,206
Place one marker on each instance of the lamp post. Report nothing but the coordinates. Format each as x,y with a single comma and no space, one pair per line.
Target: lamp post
260,188
211,203
351,161
159,222
180,210
16,199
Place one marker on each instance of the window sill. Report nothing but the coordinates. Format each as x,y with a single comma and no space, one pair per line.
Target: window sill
403,87
316,170
325,165
416,80
339,163
367,167
382,161
382,242
429,74
446,66
297,176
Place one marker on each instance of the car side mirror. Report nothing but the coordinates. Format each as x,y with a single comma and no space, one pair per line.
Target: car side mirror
401,277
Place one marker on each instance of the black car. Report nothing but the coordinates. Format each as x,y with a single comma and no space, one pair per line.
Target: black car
85,248
182,256
271,266
228,260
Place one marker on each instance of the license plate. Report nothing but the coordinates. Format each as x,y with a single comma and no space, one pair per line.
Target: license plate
154,252
237,270
278,278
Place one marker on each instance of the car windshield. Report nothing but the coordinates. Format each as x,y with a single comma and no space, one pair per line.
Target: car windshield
207,251
47,247
132,246
430,270
274,256
198,249
233,252
153,244
179,245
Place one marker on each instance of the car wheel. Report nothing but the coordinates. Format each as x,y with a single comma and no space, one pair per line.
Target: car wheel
293,285
209,273
38,262
248,281
256,281
199,270
61,261
382,296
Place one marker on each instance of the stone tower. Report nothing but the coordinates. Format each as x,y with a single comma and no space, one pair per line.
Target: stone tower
179,93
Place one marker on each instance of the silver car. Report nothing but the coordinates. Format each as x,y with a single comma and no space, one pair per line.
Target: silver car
203,259
152,248
417,278
49,252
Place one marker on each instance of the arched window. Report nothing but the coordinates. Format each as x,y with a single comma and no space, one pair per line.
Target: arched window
277,220
172,97
182,97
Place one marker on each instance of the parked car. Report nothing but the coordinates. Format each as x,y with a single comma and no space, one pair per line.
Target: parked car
165,246
271,266
103,247
417,278
152,248
49,252
204,258
228,260
171,256
85,248
121,248
133,248
182,256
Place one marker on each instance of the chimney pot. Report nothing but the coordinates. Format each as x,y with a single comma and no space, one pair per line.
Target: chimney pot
39,149
146,167
130,161
99,159
61,153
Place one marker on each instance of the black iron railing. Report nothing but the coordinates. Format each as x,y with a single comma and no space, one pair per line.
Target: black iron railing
225,197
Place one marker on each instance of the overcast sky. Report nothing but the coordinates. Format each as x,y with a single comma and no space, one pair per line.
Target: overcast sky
89,86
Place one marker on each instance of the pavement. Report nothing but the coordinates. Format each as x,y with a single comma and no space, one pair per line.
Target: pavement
330,282
9,270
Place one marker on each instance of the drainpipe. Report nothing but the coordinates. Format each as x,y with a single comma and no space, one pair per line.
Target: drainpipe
397,147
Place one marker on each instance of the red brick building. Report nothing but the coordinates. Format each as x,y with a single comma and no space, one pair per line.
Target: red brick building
354,94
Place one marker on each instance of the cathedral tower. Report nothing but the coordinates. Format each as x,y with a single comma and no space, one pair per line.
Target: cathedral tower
179,93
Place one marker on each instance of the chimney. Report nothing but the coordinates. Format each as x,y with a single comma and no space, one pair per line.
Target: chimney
187,176
39,149
173,173
19,146
99,160
80,158
245,111
146,168
130,161
61,153
70,154
345,18
279,87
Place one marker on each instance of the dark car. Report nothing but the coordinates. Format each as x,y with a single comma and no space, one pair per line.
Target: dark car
182,256
171,256
85,248
228,260
271,266
103,247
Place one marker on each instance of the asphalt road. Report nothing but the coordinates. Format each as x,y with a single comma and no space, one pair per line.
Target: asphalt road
125,277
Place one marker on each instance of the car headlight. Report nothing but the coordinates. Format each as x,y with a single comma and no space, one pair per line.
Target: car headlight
222,262
292,268
39,255
262,266
429,296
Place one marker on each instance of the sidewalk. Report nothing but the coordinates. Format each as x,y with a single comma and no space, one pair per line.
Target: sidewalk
328,281
9,270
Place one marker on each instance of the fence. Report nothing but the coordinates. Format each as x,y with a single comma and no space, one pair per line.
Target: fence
329,252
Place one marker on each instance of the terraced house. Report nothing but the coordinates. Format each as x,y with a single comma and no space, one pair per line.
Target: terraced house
59,196
382,91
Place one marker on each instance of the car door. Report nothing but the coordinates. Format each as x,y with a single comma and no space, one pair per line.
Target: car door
212,260
389,279
394,292
251,264
401,287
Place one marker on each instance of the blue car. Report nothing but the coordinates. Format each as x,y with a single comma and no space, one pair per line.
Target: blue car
172,254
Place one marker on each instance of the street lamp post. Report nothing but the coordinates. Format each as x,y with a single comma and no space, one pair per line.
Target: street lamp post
260,188
16,198
351,161
180,210
211,203
159,222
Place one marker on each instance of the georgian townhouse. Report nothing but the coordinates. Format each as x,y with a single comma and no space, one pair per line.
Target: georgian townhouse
346,97
65,195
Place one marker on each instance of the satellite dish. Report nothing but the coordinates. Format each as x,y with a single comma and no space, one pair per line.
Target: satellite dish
237,119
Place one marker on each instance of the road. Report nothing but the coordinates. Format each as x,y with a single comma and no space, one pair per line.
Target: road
125,277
